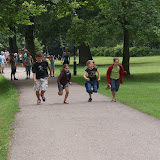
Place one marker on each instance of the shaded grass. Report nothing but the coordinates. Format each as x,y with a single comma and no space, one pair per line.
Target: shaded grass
141,90
8,107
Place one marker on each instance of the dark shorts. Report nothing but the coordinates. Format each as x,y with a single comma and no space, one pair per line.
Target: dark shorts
90,84
13,70
115,83
21,61
65,62
62,88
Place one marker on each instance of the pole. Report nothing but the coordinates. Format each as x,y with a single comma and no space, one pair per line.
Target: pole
74,62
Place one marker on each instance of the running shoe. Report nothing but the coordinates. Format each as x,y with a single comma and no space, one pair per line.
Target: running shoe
43,98
90,100
38,101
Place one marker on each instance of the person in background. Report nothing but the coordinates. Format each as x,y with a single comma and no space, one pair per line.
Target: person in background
6,54
16,59
21,59
2,62
13,67
24,61
52,65
29,61
66,57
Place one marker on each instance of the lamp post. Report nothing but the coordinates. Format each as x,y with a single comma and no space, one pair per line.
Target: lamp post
74,14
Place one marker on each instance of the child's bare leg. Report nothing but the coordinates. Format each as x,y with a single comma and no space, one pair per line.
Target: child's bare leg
60,93
114,95
67,93
90,95
38,94
42,92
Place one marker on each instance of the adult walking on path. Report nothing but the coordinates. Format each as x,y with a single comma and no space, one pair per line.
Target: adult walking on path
101,130
66,57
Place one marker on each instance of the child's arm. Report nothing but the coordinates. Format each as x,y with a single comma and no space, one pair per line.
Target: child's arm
99,77
86,77
34,78
70,79
59,79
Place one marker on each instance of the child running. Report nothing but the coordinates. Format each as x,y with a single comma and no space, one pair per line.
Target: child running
40,77
13,67
91,80
63,80
52,64
114,77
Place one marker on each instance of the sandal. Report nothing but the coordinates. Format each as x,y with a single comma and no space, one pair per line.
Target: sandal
65,102
113,100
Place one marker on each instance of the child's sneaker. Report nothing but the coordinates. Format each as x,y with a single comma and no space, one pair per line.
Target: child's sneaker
65,102
43,98
90,100
38,101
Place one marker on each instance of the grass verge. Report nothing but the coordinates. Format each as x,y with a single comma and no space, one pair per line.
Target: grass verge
8,108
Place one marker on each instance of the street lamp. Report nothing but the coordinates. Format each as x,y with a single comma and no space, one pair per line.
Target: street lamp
74,15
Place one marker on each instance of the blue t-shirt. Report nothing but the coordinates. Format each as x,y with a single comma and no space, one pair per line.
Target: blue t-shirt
2,59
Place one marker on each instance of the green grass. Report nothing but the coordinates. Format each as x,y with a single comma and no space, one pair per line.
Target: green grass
8,107
141,90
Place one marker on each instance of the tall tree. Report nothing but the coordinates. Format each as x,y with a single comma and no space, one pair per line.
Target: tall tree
130,16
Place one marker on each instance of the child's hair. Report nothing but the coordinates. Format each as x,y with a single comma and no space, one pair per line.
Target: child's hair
64,66
114,59
90,61
38,54
2,52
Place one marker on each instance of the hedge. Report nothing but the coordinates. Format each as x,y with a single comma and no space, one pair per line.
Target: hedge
118,51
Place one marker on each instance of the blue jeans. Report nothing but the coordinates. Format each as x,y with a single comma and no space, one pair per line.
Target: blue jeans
115,83
28,70
89,85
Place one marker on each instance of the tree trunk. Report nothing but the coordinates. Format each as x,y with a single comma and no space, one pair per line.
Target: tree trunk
126,56
12,41
29,39
84,54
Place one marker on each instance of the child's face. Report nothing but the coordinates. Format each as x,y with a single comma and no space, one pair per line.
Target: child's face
66,69
91,65
116,62
39,59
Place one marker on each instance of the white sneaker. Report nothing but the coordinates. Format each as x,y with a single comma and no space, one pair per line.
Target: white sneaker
38,102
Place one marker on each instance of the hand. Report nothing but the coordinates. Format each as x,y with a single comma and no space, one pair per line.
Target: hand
109,85
99,79
61,85
87,79
70,83
35,82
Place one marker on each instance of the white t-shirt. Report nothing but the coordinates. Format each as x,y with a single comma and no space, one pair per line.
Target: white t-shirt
2,59
6,54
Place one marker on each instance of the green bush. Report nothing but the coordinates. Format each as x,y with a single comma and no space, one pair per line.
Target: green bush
118,51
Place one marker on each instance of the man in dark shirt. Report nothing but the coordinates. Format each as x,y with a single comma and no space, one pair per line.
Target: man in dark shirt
40,76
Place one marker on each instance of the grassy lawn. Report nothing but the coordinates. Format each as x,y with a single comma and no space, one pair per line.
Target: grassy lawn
8,107
141,90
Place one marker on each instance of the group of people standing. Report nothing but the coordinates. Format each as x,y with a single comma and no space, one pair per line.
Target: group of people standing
40,68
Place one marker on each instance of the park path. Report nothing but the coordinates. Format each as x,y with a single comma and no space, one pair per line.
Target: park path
100,130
